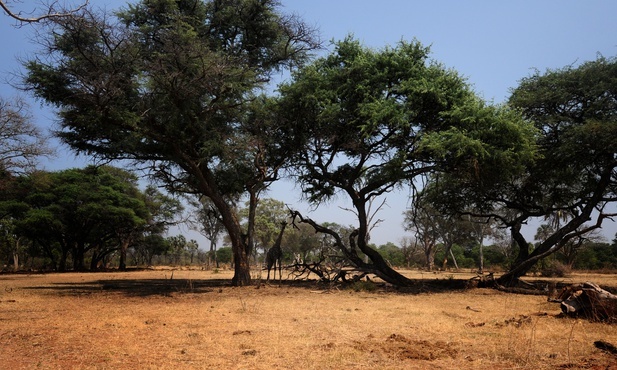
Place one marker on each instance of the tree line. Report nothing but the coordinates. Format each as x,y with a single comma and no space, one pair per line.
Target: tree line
84,219
178,88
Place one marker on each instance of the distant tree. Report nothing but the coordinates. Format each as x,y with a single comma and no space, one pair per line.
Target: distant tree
372,121
597,256
79,211
411,250
503,244
21,142
543,232
178,246
572,249
209,224
392,253
225,255
304,242
146,248
192,247
422,220
10,244
268,215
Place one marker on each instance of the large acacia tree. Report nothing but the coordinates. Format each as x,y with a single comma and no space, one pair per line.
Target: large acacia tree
169,83
573,180
375,120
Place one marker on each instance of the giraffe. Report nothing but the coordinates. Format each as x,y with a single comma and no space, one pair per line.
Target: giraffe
274,254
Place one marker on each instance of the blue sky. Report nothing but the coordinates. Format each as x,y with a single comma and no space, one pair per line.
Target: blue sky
492,43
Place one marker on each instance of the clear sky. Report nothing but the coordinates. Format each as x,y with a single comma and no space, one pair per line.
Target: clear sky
492,43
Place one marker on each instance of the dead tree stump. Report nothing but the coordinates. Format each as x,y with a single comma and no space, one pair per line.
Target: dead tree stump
588,300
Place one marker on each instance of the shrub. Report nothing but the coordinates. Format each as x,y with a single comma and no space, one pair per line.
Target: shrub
555,269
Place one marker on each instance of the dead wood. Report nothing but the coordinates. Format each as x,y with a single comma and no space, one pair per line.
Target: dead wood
588,300
606,346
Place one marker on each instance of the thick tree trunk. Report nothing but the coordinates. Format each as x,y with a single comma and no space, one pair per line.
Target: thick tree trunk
78,258
213,254
379,265
444,263
15,260
123,249
63,257
242,270
239,244
429,253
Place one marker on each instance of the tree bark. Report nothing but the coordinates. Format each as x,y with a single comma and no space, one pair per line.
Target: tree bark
16,256
239,243
123,249
429,253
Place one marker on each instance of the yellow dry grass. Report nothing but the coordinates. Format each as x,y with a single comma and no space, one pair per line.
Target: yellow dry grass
195,320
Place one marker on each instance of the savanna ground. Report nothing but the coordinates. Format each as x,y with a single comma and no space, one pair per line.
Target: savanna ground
151,319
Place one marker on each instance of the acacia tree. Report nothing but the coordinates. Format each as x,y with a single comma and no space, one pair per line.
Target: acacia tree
376,120
169,83
572,180
80,211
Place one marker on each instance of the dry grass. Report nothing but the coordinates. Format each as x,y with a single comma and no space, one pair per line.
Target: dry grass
149,320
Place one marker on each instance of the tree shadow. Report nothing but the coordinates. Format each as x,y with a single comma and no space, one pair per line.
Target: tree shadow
167,287
137,287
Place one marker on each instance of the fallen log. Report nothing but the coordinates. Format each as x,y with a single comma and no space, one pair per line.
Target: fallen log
588,300
606,346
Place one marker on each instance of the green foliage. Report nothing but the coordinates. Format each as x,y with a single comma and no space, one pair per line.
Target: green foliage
393,254
269,214
464,259
83,213
145,249
363,286
597,256
373,120
224,255
304,241
561,168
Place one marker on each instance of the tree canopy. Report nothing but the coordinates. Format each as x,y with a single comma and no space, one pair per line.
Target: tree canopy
571,180
96,211
376,120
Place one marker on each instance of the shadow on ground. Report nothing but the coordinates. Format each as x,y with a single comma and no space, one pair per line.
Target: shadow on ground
168,286
136,287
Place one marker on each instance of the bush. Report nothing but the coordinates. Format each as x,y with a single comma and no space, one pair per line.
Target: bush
555,269
363,286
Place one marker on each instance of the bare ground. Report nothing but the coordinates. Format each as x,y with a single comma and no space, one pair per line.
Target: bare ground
163,319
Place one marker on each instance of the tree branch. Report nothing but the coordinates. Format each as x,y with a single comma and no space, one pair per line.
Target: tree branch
51,13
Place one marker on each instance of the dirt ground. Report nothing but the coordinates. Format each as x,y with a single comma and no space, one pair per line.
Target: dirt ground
183,319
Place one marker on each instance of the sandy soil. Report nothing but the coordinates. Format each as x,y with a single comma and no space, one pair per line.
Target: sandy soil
182,319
